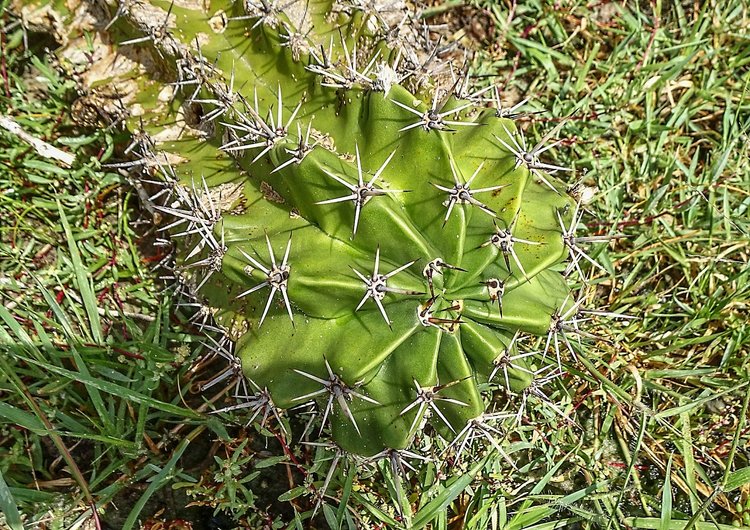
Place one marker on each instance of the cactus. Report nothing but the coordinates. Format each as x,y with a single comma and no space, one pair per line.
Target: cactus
359,227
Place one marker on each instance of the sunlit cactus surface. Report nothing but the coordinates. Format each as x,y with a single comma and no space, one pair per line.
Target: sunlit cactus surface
360,226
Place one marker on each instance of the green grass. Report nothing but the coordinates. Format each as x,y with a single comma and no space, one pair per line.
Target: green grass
99,374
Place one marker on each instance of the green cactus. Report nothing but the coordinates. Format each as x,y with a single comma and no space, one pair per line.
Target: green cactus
372,235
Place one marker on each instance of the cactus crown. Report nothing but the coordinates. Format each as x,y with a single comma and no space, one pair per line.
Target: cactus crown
374,235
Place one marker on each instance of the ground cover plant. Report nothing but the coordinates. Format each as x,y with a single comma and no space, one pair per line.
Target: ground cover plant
646,427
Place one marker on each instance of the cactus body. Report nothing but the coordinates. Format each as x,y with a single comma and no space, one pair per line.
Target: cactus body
372,241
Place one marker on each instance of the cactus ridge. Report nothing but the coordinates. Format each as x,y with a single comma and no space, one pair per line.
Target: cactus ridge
328,156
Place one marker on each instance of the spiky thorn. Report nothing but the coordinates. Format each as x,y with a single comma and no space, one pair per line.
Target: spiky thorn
462,82
123,9
167,262
224,348
277,278
268,132
142,140
279,128
226,99
247,129
481,428
426,398
322,65
434,267
427,317
372,9
461,193
338,391
569,322
362,192
353,75
294,39
156,33
432,119
420,70
211,263
198,211
562,321
504,240
259,403
505,360
575,252
266,11
147,156
169,183
386,75
202,317
501,112
398,465
394,38
535,389
530,157
193,71
377,285
304,147
310,411
496,291
339,454
145,160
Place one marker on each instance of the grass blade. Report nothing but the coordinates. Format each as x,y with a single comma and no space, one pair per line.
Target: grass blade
8,506
82,279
